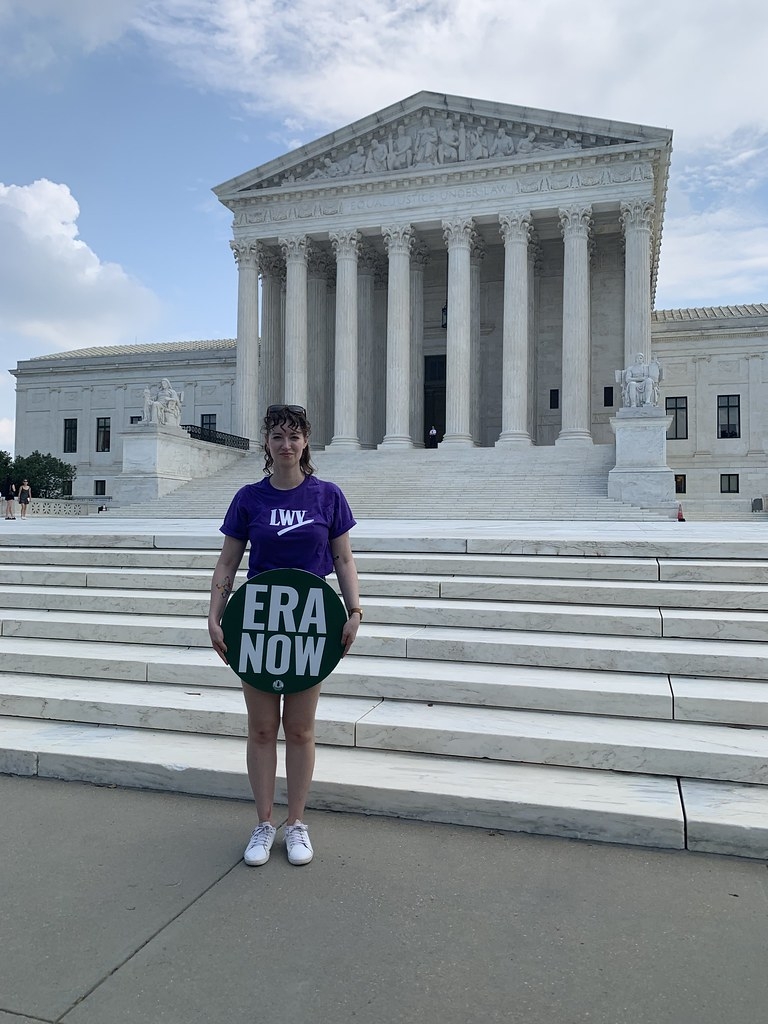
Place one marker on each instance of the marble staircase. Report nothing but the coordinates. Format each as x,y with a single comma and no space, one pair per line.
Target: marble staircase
618,696
493,483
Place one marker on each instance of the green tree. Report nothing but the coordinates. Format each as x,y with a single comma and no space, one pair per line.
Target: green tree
6,466
47,475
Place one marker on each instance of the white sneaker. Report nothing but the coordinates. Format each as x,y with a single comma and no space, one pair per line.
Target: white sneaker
260,844
297,843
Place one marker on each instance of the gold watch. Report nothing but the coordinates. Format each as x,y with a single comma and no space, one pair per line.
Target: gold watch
351,611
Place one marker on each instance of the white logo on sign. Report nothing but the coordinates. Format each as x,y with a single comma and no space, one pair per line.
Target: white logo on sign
278,684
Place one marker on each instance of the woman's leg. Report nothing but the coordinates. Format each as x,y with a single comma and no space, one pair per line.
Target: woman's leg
261,750
299,711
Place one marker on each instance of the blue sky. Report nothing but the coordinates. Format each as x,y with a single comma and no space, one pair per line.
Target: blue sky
118,117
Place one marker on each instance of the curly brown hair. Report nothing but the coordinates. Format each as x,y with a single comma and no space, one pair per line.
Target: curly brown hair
291,416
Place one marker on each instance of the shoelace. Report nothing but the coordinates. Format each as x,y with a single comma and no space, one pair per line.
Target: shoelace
261,835
296,834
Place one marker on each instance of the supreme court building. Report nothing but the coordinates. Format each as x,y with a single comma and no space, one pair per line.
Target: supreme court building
483,267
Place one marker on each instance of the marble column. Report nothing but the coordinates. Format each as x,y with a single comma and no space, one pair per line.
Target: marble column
345,245
515,229
476,257
247,421
398,240
368,261
575,224
419,260
458,238
318,267
295,250
271,384
636,219
534,268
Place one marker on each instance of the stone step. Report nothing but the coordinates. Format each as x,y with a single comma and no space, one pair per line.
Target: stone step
184,590
684,749
616,694
585,741
214,711
591,651
600,806
24,604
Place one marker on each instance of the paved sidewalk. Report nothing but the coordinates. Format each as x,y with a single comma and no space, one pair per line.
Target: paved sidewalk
134,907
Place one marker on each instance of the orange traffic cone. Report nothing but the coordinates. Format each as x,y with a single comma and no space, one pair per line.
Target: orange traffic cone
680,516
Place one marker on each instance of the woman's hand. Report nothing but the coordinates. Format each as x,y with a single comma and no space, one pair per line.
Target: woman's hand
216,634
349,632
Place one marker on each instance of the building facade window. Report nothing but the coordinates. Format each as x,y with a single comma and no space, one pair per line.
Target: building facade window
99,487
135,419
70,436
680,483
677,408
608,397
208,421
554,398
729,483
66,488
729,416
102,434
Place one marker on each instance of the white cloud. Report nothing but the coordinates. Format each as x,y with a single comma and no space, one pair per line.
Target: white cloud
324,62
54,290
35,34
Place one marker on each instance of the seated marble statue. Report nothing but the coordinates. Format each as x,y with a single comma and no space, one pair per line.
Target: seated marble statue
165,408
640,382
448,144
501,144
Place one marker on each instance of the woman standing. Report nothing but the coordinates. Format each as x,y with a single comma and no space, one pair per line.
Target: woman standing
25,494
9,493
320,545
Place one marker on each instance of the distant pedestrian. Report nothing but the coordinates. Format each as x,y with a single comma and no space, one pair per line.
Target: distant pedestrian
432,437
9,493
25,496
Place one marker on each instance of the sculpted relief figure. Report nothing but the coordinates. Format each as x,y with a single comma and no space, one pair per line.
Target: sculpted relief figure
356,161
448,144
165,408
476,147
376,161
426,144
640,382
400,150
501,144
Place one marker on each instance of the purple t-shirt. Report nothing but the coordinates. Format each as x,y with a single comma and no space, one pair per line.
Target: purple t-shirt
289,529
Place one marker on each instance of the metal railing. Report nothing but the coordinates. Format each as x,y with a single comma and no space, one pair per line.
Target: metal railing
216,437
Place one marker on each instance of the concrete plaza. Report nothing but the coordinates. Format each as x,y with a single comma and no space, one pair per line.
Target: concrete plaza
134,907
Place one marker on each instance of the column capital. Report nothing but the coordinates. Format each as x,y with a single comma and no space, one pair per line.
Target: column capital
420,256
320,263
368,260
398,238
345,243
458,232
477,249
295,248
575,221
271,263
516,226
246,253
637,213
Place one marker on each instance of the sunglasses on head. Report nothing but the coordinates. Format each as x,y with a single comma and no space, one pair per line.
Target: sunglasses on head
290,408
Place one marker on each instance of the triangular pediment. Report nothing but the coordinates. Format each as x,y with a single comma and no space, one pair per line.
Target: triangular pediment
433,132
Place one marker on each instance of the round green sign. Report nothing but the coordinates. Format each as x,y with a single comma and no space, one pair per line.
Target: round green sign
283,630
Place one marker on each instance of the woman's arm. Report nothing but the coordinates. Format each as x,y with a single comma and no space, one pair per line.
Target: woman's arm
222,585
346,573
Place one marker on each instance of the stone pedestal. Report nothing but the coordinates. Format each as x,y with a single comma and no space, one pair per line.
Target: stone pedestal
641,475
157,460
